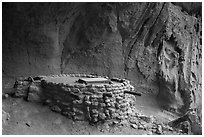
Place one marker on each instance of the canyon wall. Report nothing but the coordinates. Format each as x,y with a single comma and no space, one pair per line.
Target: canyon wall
156,45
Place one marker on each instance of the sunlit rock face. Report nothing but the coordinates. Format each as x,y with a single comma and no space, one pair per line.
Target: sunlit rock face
155,45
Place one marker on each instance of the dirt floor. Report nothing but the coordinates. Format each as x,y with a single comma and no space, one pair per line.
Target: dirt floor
22,117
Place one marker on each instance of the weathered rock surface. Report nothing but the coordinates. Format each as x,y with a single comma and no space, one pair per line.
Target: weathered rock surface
188,123
180,61
156,44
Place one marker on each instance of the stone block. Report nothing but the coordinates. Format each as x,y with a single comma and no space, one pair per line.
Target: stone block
108,104
94,100
111,110
55,108
74,96
102,90
107,86
84,89
94,111
67,89
134,126
100,100
77,75
94,119
95,104
77,102
87,93
72,75
88,116
123,105
5,96
81,97
79,117
100,86
108,94
145,118
107,113
107,101
75,90
87,103
119,99
120,117
94,115
93,97
20,92
78,111
67,114
34,97
102,116
72,113
86,98
87,109
117,106
102,105
67,109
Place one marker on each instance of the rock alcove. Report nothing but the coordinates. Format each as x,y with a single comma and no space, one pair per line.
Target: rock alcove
155,46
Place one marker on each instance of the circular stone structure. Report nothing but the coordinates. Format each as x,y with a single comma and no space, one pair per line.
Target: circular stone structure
88,97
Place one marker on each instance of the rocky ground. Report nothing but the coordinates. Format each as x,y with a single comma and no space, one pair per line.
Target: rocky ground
22,117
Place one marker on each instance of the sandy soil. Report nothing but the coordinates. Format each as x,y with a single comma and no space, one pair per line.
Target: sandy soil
32,118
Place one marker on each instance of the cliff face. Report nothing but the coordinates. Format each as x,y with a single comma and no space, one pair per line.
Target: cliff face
152,44
180,60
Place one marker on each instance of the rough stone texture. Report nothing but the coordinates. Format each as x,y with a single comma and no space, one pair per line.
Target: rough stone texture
189,123
92,102
190,7
5,117
180,61
152,44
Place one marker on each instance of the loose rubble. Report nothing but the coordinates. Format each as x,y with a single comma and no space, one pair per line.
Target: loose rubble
188,123
5,96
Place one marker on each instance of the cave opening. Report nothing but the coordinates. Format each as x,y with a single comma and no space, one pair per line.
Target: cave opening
138,50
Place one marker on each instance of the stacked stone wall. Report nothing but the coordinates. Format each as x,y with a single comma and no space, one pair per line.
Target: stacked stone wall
92,102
